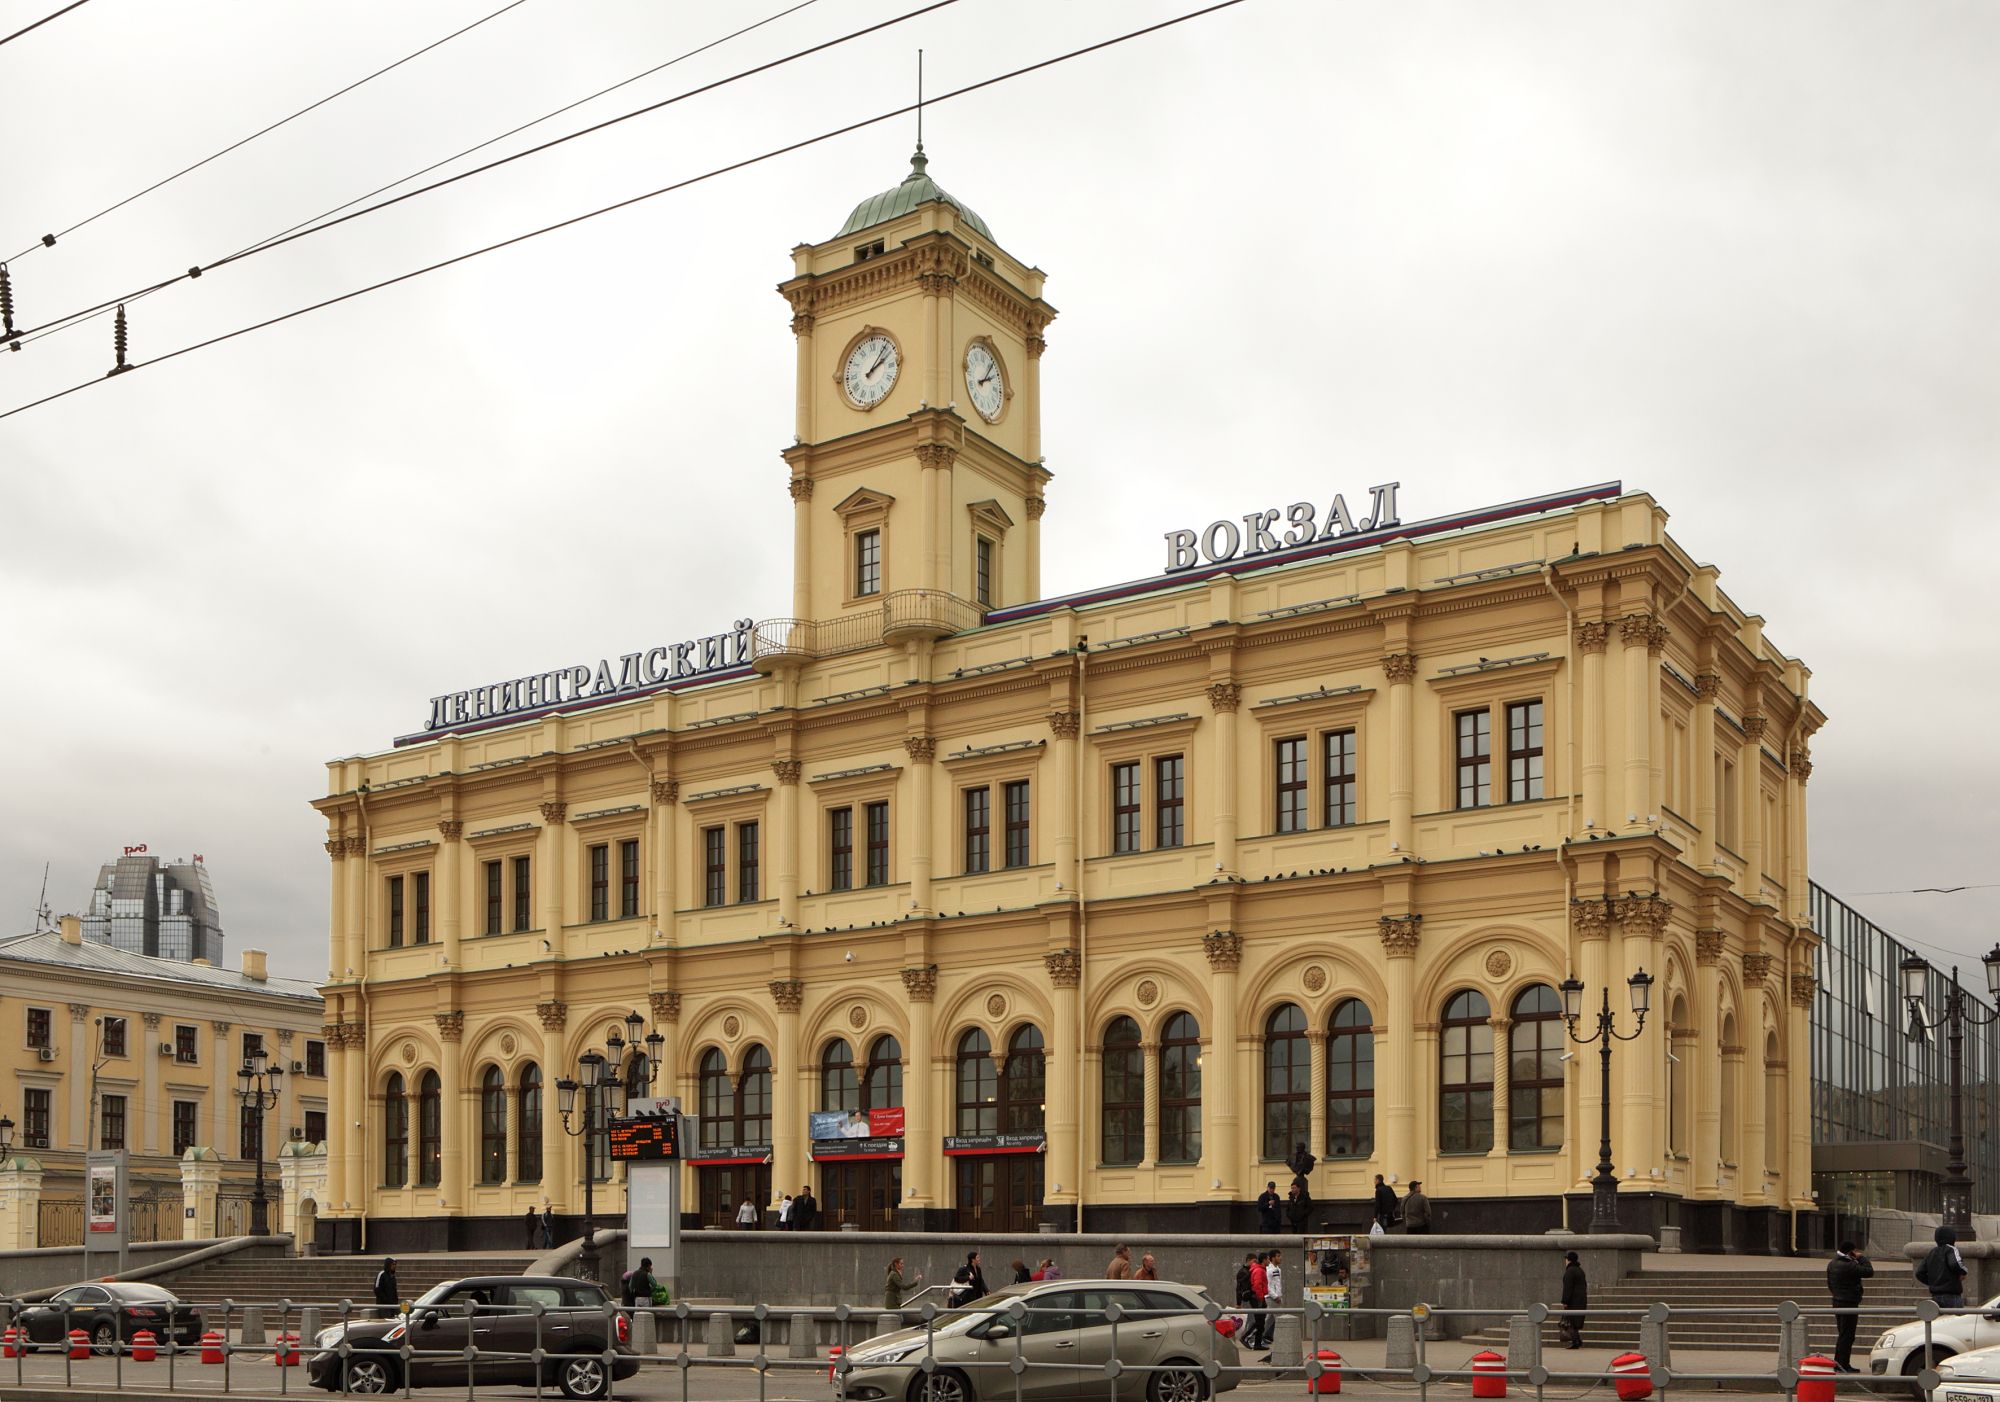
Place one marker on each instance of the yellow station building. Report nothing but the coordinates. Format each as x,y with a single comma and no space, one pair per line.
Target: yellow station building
1101,902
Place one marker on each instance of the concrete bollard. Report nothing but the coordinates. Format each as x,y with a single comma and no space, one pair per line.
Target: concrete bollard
1792,1342
253,1325
721,1341
1286,1351
1524,1343
309,1325
887,1323
1653,1343
1402,1341
799,1339
645,1332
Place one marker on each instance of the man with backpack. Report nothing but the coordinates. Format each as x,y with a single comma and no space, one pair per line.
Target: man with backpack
639,1283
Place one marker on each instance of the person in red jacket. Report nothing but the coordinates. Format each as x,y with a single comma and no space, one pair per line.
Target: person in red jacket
1260,1290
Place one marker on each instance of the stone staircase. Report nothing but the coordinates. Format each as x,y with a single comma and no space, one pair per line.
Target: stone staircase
1751,1300
326,1280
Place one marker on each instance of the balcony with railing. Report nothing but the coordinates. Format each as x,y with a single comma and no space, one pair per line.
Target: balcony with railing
903,615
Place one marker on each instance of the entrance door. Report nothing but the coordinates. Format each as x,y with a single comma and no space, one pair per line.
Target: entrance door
999,1192
862,1191
724,1186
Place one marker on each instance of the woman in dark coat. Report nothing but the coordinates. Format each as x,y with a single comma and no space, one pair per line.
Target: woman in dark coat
1575,1300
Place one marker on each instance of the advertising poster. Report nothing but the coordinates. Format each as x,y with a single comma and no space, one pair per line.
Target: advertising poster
825,1126
103,1196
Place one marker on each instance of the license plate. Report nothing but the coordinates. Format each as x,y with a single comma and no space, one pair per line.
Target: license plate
1967,1397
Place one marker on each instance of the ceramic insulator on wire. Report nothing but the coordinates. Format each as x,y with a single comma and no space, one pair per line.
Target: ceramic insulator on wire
118,343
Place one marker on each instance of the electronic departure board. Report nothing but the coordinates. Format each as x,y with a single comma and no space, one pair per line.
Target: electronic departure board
646,1140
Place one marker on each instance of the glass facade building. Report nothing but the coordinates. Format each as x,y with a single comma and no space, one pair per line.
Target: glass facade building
1881,1102
165,909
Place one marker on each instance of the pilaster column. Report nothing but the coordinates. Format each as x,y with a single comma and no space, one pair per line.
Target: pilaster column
788,1122
451,1112
1707,1064
1401,670
1149,1070
451,899
1643,922
1061,810
554,841
222,1066
666,808
1031,378
936,459
1221,1088
201,1184
557,1170
1798,767
787,772
1590,641
337,1132
1707,688
1503,1080
1750,808
1750,1097
1797,1184
1316,1096
80,1129
922,1132
1223,699
357,906
337,970
1064,968
666,1010
1395,1045
935,285
922,749
349,1130
802,415
154,1112
1033,540
1590,935
1641,636
801,489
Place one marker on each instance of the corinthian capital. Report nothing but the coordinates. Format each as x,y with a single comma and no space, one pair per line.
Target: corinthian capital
1644,915
1065,967
1637,628
451,1026
1591,636
554,1015
1064,725
788,993
450,829
1400,666
1400,935
922,749
666,1006
920,983
554,812
1590,919
787,770
666,791
1224,696
801,488
1224,949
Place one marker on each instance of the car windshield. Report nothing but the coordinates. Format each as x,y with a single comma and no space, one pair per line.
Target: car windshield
142,1294
437,1292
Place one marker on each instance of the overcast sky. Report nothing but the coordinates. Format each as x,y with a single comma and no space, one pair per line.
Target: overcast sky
1741,256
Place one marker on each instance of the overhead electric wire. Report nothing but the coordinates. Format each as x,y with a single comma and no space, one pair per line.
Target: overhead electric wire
48,240
81,318
707,175
200,268
43,21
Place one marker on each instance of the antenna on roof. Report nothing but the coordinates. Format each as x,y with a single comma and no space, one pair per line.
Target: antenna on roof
920,102
44,917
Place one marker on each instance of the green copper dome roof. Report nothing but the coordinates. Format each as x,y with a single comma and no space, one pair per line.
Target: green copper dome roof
917,188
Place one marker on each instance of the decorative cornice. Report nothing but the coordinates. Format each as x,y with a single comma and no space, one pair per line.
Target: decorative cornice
666,1006
788,993
1590,920
1647,914
666,791
1635,628
1707,946
451,1026
920,983
1065,725
787,770
1707,686
936,284
450,829
1224,696
1224,949
1400,666
936,455
1591,636
1756,968
554,812
1036,506
922,749
1065,967
554,1015
1400,935
1803,988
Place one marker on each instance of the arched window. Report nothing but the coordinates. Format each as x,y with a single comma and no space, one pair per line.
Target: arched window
430,1130
493,1126
1123,1084
978,1085
395,1133
1022,1082
528,1152
1350,1081
1534,1071
883,1087
1287,1082
1465,1075
753,1097
1180,1090
718,1101
839,1084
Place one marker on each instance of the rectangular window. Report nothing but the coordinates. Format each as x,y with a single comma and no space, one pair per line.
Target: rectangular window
978,830
111,1123
840,849
1475,758
315,1058
628,878
714,866
1524,751
746,862
186,1113
1339,780
315,1126
1290,757
39,1034
495,897
524,915
599,859
868,563
1125,807
878,844
1169,801
420,917
249,1139
187,1051
983,571
114,1036
395,912
35,1118
253,1043
1015,798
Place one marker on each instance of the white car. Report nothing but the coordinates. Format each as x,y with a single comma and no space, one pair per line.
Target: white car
1899,1352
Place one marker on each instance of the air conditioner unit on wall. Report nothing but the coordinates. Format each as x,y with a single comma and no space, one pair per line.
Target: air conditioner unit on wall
45,1053
298,1068
166,1049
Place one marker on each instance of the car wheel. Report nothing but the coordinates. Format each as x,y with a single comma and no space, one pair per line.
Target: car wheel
1181,1382
1914,1364
369,1375
104,1338
582,1376
945,1385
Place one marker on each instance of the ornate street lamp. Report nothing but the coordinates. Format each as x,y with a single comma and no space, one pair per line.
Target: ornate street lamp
6,1136
1604,1183
1959,1009
601,1079
257,1087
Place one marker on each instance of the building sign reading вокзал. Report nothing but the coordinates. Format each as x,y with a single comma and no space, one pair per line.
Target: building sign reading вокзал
1224,540
636,671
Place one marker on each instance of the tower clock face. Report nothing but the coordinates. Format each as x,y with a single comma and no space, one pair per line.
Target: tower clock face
984,382
870,372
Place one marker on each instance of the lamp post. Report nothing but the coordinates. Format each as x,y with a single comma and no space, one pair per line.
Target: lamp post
601,1078
1604,1183
258,1088
1959,1009
6,1136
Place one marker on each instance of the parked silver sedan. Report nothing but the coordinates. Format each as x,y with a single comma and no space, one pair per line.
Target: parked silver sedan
1065,1337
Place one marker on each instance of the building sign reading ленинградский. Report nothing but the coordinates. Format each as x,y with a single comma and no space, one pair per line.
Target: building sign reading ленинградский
1224,540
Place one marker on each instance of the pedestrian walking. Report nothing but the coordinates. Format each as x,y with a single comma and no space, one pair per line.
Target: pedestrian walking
746,1214
1844,1274
1942,1271
1022,1275
1274,1292
1416,1210
805,1210
894,1285
1246,1298
639,1283
785,1214
1385,1204
1268,1206
533,1224
1050,1270
1575,1300
1121,1264
968,1283
1260,1285
1149,1269
548,1228
386,1292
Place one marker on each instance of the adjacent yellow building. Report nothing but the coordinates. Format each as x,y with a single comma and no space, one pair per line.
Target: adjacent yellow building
1101,902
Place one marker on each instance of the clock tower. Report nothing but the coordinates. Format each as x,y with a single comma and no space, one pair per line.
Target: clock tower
916,470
